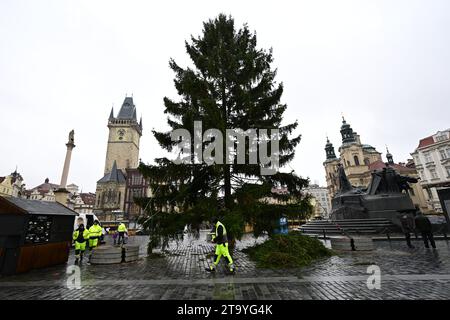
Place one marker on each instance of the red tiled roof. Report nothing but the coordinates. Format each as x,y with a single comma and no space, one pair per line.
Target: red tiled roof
426,142
377,165
46,187
88,198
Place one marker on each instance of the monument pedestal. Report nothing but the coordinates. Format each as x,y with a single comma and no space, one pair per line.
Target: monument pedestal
62,196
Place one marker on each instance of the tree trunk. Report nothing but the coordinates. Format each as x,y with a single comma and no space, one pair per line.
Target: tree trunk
226,168
227,186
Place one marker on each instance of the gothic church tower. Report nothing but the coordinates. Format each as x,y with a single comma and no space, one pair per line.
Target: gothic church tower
124,136
122,153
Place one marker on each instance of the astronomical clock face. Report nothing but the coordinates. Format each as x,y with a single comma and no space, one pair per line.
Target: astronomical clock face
120,133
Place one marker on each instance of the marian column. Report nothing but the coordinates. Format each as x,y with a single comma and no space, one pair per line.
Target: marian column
61,194
70,145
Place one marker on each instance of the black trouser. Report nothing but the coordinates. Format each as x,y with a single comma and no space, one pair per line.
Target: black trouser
408,239
428,236
122,236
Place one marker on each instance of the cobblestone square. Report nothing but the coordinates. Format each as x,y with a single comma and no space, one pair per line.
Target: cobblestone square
179,274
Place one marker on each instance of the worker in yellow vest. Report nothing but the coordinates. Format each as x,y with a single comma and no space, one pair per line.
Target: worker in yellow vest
219,237
95,232
80,237
122,229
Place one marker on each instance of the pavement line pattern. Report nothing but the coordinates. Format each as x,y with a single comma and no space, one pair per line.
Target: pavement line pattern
230,280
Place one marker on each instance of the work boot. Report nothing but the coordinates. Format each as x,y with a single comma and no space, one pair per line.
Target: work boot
232,269
76,261
211,269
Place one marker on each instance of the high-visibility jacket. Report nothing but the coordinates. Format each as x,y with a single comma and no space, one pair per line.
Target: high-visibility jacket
80,238
122,228
95,231
220,234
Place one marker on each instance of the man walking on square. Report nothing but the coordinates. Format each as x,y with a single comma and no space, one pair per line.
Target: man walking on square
407,224
95,232
80,236
219,237
425,228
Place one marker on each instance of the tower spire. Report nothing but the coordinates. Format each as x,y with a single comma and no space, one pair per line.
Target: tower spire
329,150
111,115
347,132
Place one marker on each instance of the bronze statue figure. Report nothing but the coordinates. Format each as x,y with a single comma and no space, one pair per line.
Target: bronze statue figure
344,184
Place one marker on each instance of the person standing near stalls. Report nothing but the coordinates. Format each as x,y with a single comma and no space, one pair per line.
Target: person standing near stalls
80,237
95,232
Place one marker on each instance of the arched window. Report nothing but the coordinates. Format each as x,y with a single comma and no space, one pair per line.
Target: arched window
348,163
366,161
356,160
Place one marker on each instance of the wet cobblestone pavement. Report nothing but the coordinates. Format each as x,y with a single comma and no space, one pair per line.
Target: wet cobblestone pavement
179,274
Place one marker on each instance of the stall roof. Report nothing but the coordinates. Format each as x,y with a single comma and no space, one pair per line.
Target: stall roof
8,204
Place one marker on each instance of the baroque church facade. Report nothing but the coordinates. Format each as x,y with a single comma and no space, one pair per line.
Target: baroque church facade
359,161
117,188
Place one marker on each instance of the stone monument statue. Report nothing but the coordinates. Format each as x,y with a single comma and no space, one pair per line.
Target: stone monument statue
71,137
385,197
344,184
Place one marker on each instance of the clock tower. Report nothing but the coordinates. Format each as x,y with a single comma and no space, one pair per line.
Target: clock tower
123,140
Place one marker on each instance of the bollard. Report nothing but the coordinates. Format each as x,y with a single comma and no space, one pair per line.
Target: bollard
324,234
388,236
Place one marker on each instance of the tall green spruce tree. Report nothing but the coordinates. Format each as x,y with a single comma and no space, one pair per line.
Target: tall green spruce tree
231,85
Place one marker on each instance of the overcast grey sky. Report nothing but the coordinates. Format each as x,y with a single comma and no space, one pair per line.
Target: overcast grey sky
384,64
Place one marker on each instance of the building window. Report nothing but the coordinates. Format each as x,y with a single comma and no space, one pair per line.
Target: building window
443,154
421,176
356,160
430,195
441,137
348,163
136,179
448,171
366,161
433,174
428,157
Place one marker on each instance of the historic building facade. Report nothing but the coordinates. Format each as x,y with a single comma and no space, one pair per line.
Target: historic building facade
44,191
122,181
136,187
432,162
12,185
355,158
359,161
322,201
